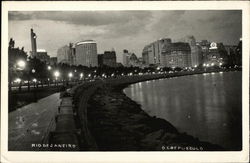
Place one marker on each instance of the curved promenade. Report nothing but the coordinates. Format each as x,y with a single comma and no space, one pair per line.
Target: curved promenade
78,128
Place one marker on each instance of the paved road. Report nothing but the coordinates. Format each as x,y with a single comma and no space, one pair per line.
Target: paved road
30,124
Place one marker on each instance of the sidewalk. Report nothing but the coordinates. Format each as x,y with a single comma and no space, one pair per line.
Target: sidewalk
31,124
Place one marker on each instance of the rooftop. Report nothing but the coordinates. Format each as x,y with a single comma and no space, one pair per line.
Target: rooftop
177,46
86,42
41,50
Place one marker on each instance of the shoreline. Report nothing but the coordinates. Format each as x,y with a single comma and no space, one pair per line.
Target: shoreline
165,76
118,123
227,148
115,122
20,99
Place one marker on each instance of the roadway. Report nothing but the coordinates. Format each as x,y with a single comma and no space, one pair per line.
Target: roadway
32,123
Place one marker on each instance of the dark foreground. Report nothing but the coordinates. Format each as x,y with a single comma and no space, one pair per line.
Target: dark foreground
119,124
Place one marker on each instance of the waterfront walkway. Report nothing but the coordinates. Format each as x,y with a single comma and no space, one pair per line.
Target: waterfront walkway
32,123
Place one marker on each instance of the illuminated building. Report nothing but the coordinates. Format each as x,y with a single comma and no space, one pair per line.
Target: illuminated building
177,55
217,54
42,55
86,53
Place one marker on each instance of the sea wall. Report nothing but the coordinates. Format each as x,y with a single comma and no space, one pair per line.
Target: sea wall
98,116
110,121
117,123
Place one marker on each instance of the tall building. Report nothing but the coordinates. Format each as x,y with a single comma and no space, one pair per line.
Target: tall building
72,51
66,54
33,43
130,59
145,55
133,61
177,55
100,60
217,54
152,53
53,60
230,48
196,52
213,55
125,58
196,55
140,59
231,53
205,45
109,58
63,55
86,53
42,55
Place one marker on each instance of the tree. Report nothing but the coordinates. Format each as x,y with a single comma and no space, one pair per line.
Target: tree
15,55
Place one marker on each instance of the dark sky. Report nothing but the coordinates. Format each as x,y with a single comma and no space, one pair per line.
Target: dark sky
120,30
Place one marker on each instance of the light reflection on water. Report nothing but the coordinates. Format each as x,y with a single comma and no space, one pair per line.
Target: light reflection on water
206,106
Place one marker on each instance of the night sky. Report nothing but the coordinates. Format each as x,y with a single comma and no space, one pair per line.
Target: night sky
120,30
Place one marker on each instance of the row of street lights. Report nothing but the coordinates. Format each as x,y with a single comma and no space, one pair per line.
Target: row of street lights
20,65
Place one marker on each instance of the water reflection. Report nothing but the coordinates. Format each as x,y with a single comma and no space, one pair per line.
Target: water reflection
207,106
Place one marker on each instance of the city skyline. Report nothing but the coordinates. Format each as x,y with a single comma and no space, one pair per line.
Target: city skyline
120,30
169,78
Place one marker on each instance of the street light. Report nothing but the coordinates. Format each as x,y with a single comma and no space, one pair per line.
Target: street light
57,74
70,76
49,68
81,75
21,64
18,80
34,80
33,72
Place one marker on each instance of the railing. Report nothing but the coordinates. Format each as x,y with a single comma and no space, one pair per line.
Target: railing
35,86
71,121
